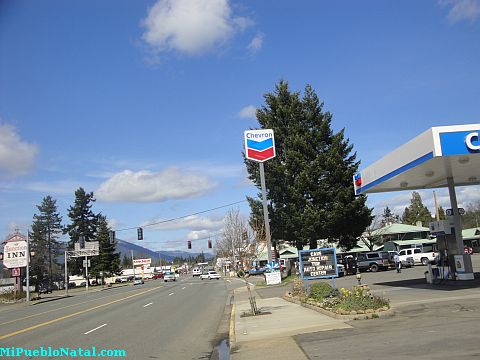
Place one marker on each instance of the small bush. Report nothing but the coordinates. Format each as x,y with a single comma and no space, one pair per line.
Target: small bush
298,288
320,291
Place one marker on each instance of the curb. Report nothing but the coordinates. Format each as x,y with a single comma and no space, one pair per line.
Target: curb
380,314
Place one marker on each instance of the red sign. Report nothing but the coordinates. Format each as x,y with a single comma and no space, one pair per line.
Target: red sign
15,272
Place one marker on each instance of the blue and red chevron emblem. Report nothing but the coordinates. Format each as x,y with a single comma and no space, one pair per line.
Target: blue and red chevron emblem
259,145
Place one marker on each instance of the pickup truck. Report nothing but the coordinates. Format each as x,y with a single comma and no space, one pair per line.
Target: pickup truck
419,257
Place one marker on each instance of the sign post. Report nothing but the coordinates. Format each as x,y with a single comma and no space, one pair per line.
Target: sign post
260,147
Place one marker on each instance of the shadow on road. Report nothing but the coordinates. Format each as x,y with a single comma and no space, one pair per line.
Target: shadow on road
445,285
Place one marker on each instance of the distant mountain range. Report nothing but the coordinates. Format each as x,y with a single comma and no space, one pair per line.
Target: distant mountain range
125,248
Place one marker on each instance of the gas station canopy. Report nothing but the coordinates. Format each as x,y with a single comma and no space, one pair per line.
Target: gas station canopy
426,161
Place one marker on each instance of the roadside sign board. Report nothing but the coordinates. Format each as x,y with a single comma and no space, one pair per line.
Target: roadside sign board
138,262
86,262
259,145
273,278
318,263
16,272
15,254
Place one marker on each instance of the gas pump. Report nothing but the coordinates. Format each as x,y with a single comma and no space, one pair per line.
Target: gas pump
452,262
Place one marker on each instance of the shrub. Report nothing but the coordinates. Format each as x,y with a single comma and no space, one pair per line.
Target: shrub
320,291
298,288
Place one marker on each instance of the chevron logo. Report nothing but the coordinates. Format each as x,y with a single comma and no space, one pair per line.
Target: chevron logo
259,145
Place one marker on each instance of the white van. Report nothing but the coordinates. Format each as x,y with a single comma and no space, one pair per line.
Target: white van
196,272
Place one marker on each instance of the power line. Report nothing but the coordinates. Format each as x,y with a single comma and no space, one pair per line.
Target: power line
182,217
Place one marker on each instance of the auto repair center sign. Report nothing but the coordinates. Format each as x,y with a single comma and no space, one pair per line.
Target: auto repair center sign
259,145
318,263
15,254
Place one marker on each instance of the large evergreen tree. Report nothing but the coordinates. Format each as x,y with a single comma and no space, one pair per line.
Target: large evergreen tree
416,212
46,229
108,261
83,223
309,182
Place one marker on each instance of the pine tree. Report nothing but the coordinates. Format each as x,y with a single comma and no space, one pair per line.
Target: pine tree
416,212
309,182
388,217
108,261
46,229
83,223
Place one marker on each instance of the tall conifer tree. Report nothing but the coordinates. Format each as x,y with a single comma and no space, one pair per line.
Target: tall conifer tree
309,182
46,229
83,223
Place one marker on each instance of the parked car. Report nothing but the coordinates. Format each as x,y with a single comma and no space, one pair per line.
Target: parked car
121,280
158,276
210,275
169,276
196,272
138,280
256,271
373,261
45,288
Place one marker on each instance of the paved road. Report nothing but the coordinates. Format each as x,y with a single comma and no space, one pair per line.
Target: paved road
157,320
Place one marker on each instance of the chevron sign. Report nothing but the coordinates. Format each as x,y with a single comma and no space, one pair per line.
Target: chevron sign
259,145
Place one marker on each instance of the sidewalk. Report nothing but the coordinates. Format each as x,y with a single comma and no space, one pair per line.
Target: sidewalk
270,336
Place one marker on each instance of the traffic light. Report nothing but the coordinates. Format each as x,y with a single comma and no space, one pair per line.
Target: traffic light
209,244
189,244
81,240
111,235
140,234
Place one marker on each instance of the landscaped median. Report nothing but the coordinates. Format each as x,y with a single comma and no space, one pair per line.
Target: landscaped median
354,304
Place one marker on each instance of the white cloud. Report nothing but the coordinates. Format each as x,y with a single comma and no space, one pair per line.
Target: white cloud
248,112
190,26
198,234
460,10
16,156
256,43
145,186
193,222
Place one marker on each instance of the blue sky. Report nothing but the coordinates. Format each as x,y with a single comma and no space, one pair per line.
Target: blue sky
145,102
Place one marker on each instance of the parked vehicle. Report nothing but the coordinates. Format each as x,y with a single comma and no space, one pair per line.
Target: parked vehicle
256,271
373,261
158,276
138,280
341,270
210,275
406,262
419,257
45,288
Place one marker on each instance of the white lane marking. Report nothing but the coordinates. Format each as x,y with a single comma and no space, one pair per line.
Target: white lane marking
183,288
147,304
228,281
190,284
171,294
98,327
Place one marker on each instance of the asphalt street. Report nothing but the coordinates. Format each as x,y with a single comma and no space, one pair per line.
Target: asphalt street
157,320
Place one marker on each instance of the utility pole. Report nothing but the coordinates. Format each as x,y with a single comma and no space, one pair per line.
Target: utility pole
133,266
28,266
437,214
